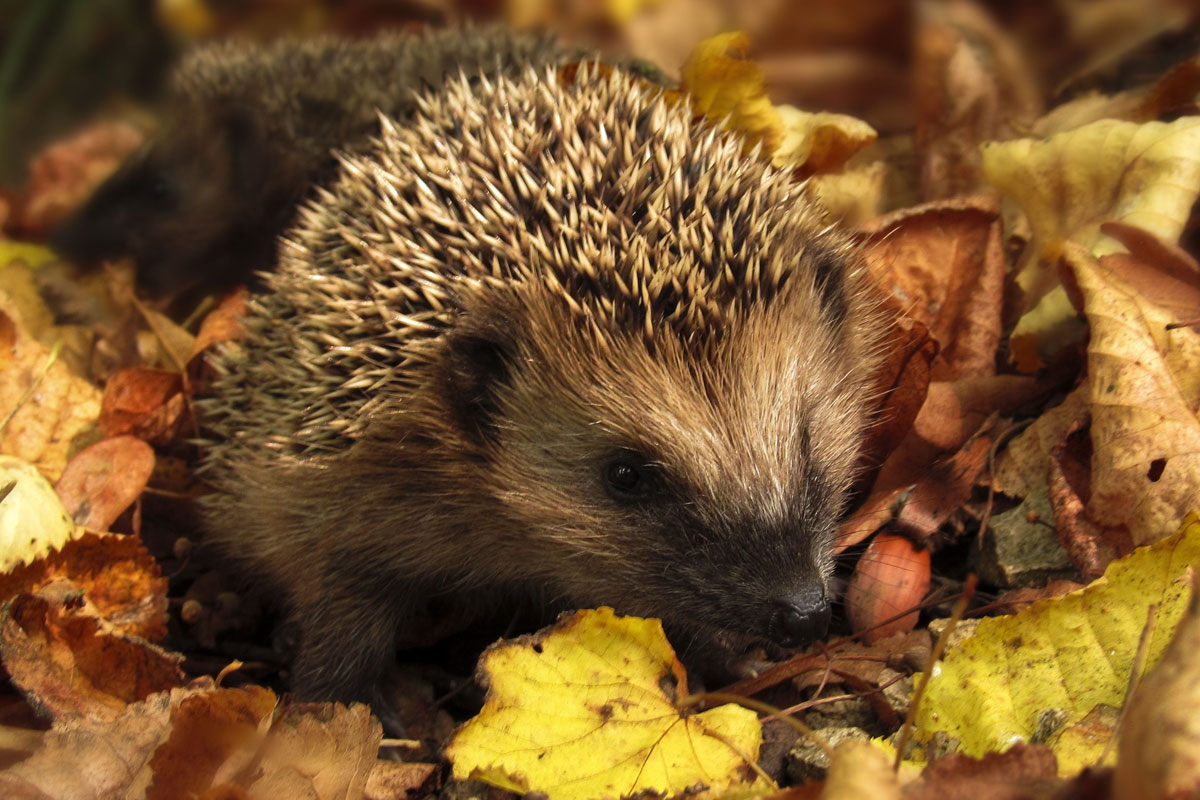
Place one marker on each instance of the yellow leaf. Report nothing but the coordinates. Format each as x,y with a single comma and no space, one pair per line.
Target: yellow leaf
32,518
44,408
819,142
1068,185
587,709
723,83
1072,653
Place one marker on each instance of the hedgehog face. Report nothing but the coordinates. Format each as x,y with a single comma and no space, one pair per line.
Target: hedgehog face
699,482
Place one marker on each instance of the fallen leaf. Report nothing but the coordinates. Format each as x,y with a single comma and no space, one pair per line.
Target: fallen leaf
44,409
724,85
103,480
70,665
1145,175
1143,395
398,780
1162,274
860,770
86,759
854,196
65,174
1021,771
1073,653
33,521
207,730
587,709
320,751
121,580
1159,754
943,263
815,143
142,402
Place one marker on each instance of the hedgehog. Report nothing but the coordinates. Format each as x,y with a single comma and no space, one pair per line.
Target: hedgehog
248,131
554,338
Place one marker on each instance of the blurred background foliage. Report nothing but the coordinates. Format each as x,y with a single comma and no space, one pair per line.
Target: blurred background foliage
64,63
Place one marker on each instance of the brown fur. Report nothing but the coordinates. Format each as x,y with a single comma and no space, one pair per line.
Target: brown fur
469,330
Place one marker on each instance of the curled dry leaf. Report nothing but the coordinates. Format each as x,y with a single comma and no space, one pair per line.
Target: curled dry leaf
70,664
861,769
1159,753
141,402
891,577
88,758
943,263
1143,392
320,751
120,579
33,521
1145,175
208,729
103,480
854,196
816,143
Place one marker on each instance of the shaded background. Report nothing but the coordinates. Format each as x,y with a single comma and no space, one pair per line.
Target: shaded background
65,62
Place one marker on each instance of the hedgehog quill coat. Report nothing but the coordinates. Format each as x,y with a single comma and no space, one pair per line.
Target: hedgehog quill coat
553,336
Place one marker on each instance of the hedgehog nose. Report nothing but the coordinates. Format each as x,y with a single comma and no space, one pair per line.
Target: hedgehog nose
799,619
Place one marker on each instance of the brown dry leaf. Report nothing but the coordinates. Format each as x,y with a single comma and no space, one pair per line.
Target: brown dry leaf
207,732
121,580
63,175
44,409
723,84
319,751
105,479
1024,770
399,780
944,265
951,415
944,487
972,85
1159,753
174,344
1089,545
1163,274
142,402
1143,394
70,664
1021,469
902,382
85,758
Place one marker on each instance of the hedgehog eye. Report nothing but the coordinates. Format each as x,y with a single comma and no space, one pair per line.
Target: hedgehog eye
628,476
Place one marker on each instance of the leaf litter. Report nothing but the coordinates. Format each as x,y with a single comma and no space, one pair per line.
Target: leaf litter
1045,285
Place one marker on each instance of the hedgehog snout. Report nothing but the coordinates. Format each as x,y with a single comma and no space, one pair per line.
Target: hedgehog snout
799,619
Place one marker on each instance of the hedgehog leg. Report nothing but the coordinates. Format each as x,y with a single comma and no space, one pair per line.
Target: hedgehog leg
348,640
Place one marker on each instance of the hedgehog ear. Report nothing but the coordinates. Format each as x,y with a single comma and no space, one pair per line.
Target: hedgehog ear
829,267
477,363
